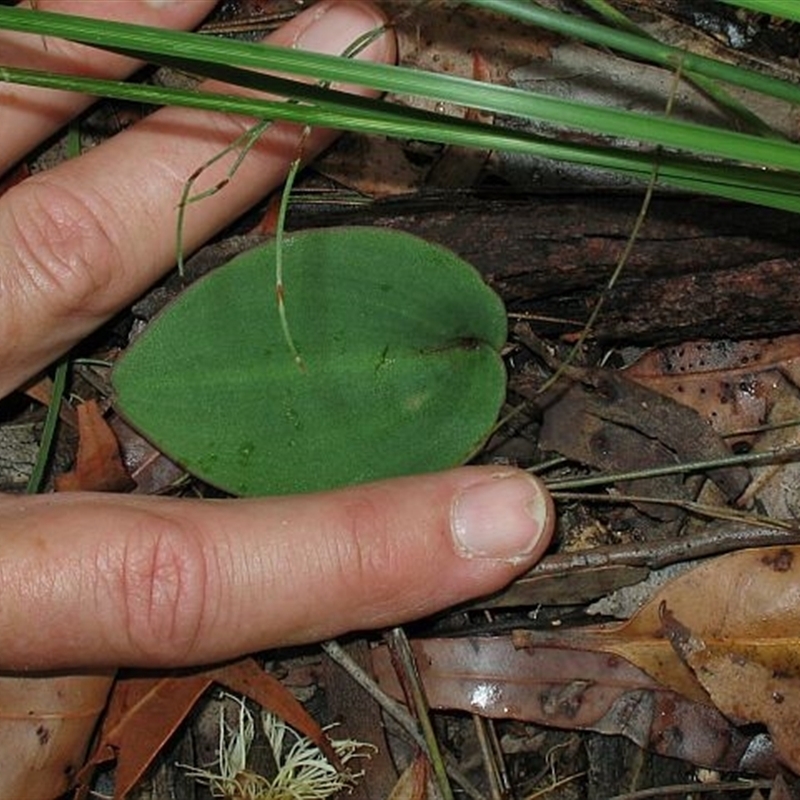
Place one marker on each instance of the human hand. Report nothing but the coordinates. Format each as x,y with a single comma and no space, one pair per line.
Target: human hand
93,580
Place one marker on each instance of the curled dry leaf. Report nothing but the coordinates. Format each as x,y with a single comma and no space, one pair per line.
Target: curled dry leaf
725,633
46,722
577,690
748,602
98,465
743,688
144,712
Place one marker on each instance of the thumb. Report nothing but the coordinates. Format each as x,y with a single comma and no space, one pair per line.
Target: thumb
97,580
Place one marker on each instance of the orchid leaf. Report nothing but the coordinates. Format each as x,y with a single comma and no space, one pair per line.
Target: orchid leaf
400,371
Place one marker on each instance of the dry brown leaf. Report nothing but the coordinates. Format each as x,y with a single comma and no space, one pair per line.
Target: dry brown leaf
731,384
41,390
748,392
413,783
576,690
144,712
600,417
98,466
744,689
747,602
46,723
149,468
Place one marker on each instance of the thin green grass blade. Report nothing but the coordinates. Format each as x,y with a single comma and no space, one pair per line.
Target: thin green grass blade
788,9
346,112
219,59
736,110
774,189
36,478
108,34
645,128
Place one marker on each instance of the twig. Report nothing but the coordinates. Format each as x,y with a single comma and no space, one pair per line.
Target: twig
487,739
695,788
395,710
781,455
400,649
714,539
701,509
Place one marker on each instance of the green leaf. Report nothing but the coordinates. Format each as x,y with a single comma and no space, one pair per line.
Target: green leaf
401,370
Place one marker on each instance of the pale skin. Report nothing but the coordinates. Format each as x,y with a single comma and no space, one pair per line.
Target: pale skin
92,580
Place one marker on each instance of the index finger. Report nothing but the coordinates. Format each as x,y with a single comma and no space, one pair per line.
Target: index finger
30,115
81,241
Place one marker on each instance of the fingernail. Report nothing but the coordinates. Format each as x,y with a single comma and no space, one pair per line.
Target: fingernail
159,4
334,26
503,518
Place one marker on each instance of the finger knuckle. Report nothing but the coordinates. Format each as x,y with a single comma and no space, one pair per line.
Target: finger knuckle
68,261
162,587
367,550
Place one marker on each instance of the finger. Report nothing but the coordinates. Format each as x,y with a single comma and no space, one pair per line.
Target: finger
98,581
79,242
31,115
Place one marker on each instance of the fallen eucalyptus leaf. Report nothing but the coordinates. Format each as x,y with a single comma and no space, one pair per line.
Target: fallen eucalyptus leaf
400,373
576,690
743,688
98,464
743,605
145,710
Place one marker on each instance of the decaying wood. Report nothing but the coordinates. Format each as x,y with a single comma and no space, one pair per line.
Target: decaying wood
700,268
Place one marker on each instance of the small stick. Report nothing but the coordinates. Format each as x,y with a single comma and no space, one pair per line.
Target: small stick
400,649
693,507
778,456
714,539
395,710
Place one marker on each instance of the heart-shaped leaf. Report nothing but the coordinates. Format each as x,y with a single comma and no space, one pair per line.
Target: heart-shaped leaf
400,374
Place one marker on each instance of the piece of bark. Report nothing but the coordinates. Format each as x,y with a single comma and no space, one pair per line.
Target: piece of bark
700,268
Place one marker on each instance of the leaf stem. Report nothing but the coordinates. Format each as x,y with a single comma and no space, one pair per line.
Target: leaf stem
279,230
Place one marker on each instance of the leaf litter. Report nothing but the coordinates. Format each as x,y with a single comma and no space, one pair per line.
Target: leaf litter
604,692
719,641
